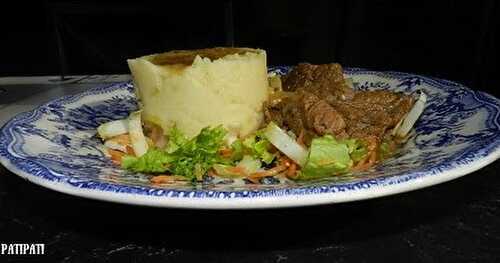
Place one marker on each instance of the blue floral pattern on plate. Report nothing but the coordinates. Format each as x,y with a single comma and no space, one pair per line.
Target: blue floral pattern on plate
56,143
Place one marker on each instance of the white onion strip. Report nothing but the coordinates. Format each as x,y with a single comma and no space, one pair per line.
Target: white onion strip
411,118
112,129
115,146
281,140
137,138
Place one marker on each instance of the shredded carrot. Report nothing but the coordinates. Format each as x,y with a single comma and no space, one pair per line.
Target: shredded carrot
237,170
226,152
253,180
116,156
130,150
366,163
271,172
291,172
371,156
165,179
285,160
123,139
212,173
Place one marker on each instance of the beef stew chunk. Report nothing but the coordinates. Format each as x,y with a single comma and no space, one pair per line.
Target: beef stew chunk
322,103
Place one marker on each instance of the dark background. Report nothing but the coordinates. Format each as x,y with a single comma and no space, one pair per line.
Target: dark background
455,40
456,221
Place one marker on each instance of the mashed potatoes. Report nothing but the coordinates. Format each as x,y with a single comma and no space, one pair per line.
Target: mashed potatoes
193,89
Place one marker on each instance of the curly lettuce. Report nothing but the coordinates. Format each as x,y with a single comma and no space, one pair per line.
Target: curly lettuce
185,157
256,146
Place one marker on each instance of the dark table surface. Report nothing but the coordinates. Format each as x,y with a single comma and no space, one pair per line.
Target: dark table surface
457,221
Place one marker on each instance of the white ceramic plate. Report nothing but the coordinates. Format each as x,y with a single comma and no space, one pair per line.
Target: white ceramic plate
54,146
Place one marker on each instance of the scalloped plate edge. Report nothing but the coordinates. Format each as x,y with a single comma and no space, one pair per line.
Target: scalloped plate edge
258,202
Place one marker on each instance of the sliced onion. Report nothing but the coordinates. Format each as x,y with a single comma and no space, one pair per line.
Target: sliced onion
115,145
119,143
411,118
281,140
112,129
396,128
137,138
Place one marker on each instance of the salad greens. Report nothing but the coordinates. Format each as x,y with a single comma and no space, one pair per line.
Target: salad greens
327,156
357,149
153,161
286,143
175,139
190,158
193,158
246,166
255,145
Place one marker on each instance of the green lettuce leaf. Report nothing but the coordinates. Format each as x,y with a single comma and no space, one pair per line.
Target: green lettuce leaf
190,158
238,150
246,166
327,157
153,161
175,139
357,150
256,146
193,158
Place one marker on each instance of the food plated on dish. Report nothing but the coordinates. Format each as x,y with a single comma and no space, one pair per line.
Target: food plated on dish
216,113
304,134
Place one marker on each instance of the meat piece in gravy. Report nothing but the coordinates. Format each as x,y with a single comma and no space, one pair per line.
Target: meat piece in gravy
372,113
305,113
326,81
321,116
324,104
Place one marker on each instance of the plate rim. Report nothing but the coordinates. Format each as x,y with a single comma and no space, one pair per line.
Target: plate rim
265,202
223,199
